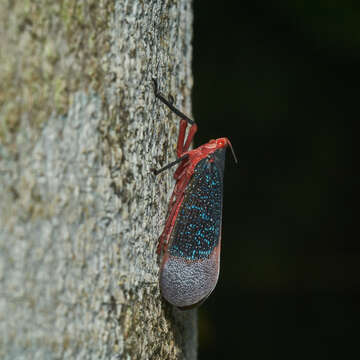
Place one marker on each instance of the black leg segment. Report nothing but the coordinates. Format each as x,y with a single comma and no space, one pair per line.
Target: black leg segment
168,166
169,103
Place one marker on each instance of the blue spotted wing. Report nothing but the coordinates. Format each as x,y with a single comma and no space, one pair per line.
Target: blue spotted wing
198,224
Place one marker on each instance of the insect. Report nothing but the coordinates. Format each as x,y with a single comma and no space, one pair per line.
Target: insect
191,239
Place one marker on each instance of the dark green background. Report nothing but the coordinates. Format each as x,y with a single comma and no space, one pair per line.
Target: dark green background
280,79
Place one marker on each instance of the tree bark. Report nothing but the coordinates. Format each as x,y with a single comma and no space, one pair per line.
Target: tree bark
80,211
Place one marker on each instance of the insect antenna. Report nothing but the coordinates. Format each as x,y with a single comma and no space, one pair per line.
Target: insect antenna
169,103
233,152
168,166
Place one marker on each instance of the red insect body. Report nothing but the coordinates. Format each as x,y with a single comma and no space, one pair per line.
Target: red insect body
184,173
187,281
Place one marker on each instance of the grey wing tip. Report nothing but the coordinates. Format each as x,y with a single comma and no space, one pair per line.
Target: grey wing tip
187,284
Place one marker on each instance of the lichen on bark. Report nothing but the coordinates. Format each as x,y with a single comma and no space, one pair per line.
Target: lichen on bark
80,211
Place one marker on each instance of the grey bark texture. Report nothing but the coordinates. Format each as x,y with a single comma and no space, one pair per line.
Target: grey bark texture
80,211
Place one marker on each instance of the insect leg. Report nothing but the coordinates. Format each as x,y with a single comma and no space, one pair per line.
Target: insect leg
181,146
181,137
169,103
180,170
168,166
190,137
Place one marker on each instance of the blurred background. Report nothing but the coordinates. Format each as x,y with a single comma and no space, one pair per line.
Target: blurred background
281,80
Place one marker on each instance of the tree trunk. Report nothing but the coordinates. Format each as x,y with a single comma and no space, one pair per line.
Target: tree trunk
80,211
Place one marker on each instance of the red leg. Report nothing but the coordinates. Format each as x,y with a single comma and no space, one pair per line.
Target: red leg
182,181
190,137
181,146
179,171
181,137
180,175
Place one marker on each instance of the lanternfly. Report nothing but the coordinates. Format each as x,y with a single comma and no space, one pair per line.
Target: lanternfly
191,239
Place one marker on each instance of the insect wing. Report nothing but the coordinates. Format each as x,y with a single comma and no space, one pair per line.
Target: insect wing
196,232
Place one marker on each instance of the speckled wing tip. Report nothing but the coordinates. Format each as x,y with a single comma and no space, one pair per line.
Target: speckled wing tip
187,283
